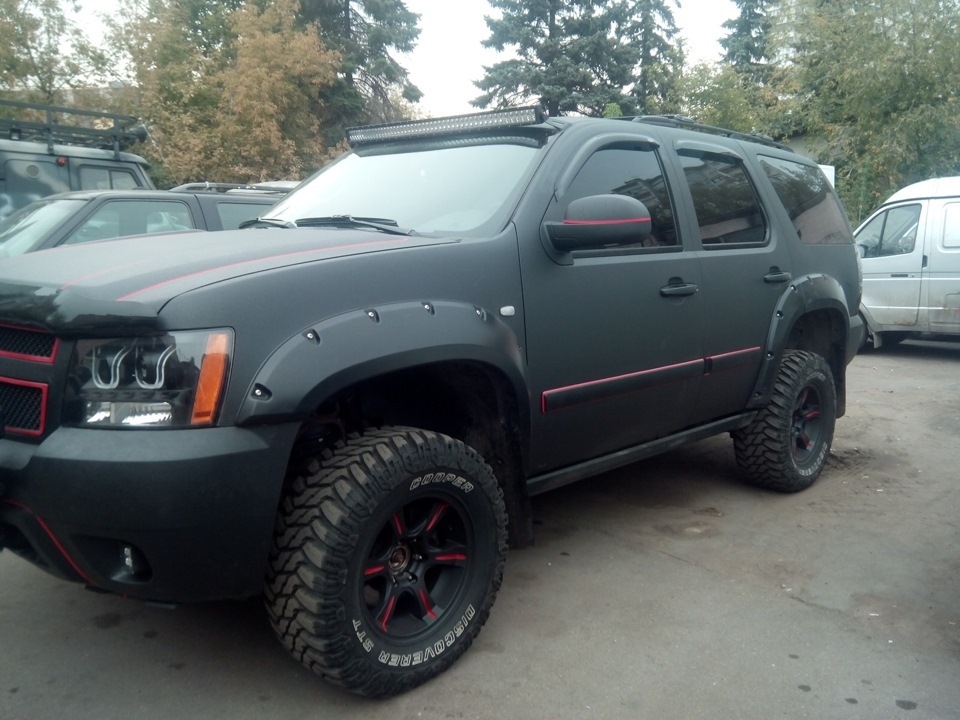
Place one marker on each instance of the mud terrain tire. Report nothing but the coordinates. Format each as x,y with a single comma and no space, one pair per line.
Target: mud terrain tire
786,446
388,555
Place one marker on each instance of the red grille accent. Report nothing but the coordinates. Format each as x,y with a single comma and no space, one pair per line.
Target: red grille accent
23,344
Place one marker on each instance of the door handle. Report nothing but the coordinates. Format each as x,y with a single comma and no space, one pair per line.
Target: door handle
777,276
679,289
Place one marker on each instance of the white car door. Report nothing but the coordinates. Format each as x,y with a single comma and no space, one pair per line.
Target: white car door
941,274
892,249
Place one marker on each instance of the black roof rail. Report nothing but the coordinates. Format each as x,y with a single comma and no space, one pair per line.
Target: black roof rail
688,123
102,130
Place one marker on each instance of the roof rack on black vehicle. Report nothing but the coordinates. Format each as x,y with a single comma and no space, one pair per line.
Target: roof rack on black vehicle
124,131
688,123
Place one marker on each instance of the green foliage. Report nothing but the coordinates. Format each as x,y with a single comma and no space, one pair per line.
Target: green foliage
723,97
33,64
581,56
877,82
372,85
612,110
661,56
746,45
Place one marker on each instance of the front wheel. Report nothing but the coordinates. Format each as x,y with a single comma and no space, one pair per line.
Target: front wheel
785,448
387,557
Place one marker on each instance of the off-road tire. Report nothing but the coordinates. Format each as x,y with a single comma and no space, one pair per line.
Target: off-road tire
388,554
786,447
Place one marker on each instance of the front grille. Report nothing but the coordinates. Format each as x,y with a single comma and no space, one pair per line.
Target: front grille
23,406
27,344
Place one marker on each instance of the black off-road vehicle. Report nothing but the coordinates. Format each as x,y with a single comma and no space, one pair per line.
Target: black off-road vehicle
351,406
47,149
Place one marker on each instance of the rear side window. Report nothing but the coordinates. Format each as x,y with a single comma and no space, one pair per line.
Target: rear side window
809,200
100,178
892,232
728,211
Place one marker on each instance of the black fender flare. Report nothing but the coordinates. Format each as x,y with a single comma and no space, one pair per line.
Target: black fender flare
805,294
337,352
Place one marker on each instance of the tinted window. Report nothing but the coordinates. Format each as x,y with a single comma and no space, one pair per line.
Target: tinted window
233,213
892,232
98,178
726,204
629,171
132,217
809,201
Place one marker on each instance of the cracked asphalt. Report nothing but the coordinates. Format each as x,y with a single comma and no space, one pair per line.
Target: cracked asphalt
664,590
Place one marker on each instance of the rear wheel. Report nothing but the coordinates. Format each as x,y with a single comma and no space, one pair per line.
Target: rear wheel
786,446
388,555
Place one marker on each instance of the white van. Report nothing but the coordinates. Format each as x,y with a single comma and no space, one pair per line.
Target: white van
910,249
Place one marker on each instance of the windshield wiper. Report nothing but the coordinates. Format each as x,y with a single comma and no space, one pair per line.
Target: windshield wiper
382,224
266,222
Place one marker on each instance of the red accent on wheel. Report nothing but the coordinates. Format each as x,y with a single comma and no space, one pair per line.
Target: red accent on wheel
426,605
441,508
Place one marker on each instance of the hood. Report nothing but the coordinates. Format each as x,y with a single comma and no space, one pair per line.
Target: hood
72,288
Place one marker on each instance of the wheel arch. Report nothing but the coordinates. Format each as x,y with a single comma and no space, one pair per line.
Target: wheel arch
444,366
811,315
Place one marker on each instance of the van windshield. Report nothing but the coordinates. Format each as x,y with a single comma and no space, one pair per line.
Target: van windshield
27,228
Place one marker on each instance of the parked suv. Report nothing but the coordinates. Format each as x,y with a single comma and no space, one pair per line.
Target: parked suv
47,149
911,263
349,409
86,215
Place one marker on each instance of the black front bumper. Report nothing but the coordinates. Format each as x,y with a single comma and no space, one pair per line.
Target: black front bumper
166,515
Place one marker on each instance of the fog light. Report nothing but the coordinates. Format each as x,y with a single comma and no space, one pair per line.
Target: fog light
135,565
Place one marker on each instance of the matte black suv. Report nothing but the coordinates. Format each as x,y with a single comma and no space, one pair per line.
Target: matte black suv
87,215
352,406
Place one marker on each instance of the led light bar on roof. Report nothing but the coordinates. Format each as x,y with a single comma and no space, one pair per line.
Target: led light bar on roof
494,119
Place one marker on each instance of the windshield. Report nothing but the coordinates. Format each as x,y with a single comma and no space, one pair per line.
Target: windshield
464,187
26,229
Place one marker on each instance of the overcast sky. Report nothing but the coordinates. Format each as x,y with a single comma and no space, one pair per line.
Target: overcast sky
449,57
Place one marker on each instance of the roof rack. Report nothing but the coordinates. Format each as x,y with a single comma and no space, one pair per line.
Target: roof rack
688,123
277,187
103,130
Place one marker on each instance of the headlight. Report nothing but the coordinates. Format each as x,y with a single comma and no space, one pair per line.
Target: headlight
173,380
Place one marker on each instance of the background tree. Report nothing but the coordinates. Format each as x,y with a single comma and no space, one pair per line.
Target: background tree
661,55
235,99
874,86
43,55
747,42
736,93
573,56
720,96
372,86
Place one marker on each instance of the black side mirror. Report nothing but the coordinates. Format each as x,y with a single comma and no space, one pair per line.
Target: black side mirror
600,221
